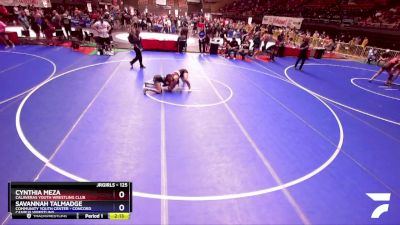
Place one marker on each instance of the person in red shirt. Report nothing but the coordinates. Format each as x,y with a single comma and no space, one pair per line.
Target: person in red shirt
201,25
95,16
4,37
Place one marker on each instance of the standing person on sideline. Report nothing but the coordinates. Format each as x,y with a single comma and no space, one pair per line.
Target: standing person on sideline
103,28
66,23
202,41
134,39
4,37
48,30
34,18
23,20
303,54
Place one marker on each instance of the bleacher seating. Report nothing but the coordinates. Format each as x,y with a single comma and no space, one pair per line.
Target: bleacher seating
353,12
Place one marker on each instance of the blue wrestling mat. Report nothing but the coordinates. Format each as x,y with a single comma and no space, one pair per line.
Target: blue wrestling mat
251,143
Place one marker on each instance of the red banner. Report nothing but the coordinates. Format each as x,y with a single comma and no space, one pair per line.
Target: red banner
282,21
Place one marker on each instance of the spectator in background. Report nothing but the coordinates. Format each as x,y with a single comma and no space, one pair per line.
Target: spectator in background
56,21
224,26
256,43
365,42
108,19
168,25
143,24
207,42
149,24
182,39
357,40
316,34
125,19
27,12
103,27
34,20
48,30
323,35
66,23
329,45
352,41
233,47
245,48
372,55
3,12
195,27
77,12
201,25
349,39
23,20
15,15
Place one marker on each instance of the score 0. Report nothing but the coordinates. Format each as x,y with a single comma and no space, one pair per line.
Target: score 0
122,194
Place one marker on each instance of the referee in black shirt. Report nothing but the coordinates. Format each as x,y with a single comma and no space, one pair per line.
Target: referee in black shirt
303,53
134,39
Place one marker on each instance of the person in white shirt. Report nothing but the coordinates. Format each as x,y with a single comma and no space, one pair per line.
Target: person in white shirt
372,53
103,27
169,24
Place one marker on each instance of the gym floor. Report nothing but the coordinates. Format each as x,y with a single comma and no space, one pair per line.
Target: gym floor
251,143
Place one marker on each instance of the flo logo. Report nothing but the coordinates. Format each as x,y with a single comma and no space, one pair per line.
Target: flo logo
379,197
